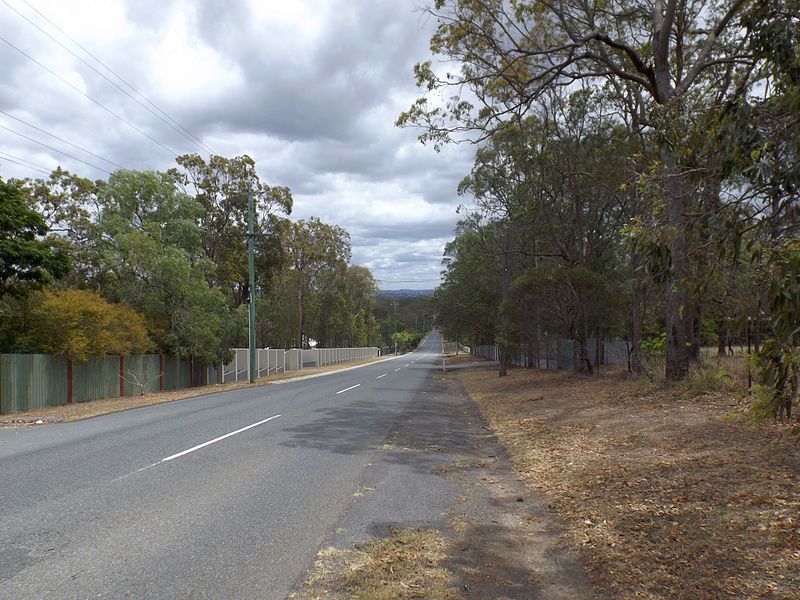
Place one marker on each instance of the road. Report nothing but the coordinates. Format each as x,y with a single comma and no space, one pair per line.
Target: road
228,495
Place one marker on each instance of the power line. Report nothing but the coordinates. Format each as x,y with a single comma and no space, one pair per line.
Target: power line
21,162
82,93
180,129
122,79
52,135
54,149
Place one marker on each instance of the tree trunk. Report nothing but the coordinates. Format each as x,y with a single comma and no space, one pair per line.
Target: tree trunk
697,333
503,311
677,364
598,358
757,332
300,317
721,338
635,365
584,364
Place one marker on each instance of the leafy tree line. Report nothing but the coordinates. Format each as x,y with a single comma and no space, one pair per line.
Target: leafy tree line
636,173
403,319
157,261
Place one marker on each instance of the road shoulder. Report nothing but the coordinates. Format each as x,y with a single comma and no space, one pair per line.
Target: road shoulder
440,513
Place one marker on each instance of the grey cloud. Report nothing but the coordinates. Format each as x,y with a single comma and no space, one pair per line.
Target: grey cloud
366,51
317,115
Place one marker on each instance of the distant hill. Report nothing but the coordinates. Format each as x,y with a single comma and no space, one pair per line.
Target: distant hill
404,293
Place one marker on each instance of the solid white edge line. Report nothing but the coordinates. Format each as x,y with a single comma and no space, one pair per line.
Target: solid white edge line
379,376
215,440
352,387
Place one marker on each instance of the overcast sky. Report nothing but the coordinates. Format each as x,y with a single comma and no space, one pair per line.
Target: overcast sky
310,89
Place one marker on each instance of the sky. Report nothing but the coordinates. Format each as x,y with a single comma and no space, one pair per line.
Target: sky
310,89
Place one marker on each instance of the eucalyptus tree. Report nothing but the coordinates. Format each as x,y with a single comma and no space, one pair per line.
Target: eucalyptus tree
345,313
468,301
25,258
149,254
558,192
672,56
221,186
314,250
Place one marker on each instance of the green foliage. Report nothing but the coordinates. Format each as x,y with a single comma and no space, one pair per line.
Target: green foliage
414,315
655,347
148,252
221,186
77,324
710,379
406,341
25,258
641,115
318,278
778,362
468,301
173,247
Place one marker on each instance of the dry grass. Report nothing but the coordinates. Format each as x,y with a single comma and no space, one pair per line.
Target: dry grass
405,565
662,495
456,359
85,410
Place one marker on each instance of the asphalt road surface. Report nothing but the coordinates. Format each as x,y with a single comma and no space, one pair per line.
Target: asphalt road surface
228,495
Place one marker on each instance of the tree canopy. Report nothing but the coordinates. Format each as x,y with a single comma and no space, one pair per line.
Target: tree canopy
167,251
25,258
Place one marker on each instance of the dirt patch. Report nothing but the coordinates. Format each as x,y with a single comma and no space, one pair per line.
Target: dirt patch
93,408
407,564
660,493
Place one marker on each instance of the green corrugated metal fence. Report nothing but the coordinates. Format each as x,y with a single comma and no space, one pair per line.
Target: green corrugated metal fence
31,381
141,374
96,378
176,373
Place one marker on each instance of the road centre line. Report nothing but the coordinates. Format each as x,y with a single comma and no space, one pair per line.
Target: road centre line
218,439
379,376
352,387
397,369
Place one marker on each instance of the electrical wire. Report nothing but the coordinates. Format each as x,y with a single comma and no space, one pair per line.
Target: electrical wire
20,161
60,139
122,79
188,135
82,93
54,149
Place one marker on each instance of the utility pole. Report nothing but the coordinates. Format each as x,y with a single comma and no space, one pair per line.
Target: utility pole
251,299
394,303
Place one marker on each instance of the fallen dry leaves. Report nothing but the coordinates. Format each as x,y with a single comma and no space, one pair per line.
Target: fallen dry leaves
662,495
